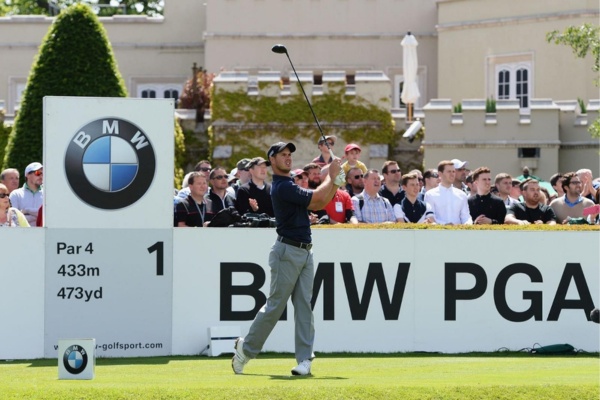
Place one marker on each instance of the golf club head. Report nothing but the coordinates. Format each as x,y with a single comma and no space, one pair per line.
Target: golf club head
279,49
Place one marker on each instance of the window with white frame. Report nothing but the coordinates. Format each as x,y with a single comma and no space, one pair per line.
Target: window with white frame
159,91
513,83
510,77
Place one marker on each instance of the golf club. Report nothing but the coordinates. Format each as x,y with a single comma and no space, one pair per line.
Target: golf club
281,49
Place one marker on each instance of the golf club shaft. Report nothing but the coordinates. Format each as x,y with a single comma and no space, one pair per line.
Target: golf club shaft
309,105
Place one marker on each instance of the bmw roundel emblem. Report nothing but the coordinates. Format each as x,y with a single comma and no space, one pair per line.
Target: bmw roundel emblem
75,359
110,163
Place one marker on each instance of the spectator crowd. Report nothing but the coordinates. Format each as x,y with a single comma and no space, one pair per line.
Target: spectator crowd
451,194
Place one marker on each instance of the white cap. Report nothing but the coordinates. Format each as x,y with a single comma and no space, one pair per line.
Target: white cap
34,166
459,164
232,175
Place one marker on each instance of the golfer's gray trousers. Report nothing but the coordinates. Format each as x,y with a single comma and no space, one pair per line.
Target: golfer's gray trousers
292,274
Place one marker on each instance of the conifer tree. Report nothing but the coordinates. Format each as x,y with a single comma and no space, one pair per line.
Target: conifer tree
75,59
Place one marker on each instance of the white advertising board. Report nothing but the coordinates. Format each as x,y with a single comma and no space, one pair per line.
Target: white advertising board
108,162
114,285
389,291
22,293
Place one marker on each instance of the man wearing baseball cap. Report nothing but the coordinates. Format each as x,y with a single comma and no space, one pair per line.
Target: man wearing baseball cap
29,198
300,177
243,177
322,145
255,195
290,260
461,174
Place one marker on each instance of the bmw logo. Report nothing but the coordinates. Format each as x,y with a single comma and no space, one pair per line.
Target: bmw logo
110,163
75,359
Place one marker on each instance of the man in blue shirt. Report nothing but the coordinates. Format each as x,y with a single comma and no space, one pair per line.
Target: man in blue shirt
291,261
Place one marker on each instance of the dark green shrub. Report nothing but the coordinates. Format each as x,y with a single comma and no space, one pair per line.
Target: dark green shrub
180,156
75,59
4,133
490,105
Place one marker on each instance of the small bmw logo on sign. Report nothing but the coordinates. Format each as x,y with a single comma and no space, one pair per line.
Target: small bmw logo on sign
75,359
110,163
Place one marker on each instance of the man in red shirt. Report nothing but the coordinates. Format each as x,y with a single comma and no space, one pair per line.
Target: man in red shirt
340,209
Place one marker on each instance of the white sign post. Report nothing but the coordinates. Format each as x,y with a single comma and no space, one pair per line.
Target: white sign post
109,217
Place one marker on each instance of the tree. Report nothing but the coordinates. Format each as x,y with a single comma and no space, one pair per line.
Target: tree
110,7
23,7
196,92
583,40
75,59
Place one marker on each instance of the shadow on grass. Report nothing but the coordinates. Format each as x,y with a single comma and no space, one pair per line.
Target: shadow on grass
292,377
167,359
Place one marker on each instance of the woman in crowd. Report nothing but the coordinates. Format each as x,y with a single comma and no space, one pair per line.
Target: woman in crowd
10,216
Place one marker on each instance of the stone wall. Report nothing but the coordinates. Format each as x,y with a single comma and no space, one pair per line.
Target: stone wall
552,137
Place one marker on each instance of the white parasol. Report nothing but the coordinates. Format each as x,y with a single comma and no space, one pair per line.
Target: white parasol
410,64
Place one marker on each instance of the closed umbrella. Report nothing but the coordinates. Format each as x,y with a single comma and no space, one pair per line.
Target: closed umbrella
410,64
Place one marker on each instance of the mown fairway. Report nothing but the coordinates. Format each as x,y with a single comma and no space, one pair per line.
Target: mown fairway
336,376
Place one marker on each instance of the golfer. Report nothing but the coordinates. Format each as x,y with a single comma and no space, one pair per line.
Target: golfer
290,259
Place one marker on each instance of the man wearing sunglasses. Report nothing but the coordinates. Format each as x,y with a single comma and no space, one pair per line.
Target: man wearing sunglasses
218,196
392,190
354,181
30,197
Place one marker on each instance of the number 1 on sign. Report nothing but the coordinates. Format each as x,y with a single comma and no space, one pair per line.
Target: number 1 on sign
160,261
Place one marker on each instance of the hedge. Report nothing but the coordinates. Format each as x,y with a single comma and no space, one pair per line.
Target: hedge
75,59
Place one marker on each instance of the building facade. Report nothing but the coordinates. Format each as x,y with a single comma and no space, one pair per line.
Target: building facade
468,50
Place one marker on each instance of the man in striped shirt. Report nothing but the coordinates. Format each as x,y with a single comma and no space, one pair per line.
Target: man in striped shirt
370,207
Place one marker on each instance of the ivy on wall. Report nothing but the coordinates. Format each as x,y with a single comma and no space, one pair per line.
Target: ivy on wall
240,120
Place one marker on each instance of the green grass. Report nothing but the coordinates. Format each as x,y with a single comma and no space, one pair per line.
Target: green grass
335,376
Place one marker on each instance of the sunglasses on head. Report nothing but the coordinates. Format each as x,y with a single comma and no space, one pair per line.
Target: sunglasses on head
3,195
